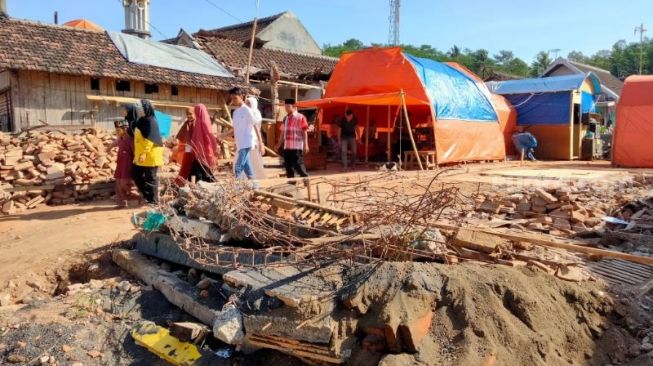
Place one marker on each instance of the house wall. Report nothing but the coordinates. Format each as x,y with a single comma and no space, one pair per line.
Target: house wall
62,99
288,33
561,71
4,79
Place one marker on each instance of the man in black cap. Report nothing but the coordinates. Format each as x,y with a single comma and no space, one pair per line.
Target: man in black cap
294,139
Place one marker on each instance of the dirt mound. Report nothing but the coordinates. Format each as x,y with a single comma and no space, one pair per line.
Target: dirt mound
477,314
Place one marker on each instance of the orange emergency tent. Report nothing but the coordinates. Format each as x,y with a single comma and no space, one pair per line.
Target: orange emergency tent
633,132
450,100
83,24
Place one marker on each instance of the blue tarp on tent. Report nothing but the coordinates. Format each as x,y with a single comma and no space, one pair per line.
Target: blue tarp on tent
551,84
454,94
542,109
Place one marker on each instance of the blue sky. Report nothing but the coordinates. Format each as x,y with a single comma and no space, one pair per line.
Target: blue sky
525,27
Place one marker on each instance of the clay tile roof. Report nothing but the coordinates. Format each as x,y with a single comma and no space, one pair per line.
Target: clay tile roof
241,32
607,79
234,55
33,46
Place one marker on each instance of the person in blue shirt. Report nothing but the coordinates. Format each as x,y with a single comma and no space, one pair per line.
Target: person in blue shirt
526,142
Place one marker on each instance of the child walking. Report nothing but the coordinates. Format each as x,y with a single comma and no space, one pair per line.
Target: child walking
123,173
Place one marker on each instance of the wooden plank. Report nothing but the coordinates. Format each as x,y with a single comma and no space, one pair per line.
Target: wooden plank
293,351
601,253
308,204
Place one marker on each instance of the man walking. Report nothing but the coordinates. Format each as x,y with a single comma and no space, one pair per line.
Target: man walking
245,134
294,139
347,137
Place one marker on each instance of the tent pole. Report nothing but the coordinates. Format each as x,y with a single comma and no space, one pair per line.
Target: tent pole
367,136
410,131
389,134
435,144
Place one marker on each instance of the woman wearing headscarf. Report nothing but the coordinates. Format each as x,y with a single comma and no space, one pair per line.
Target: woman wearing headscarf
148,154
203,146
185,148
255,156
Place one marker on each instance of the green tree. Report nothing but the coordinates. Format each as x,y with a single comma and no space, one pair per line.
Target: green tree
516,67
504,57
347,46
541,62
454,52
482,64
601,59
577,56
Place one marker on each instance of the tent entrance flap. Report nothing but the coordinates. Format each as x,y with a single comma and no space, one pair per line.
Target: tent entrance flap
383,99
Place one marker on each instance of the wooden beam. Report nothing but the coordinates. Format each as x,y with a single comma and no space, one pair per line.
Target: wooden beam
367,135
306,203
410,131
389,135
578,248
251,44
157,103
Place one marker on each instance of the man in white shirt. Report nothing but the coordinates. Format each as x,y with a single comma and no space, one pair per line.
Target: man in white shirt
245,134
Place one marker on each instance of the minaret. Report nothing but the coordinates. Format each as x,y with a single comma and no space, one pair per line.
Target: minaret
3,9
137,18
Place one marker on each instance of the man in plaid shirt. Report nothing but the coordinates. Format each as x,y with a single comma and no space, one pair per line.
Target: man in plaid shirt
294,138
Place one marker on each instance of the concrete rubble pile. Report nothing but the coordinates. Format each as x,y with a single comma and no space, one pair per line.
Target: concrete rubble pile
295,274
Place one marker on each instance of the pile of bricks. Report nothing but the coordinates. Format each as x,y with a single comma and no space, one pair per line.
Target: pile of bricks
39,167
561,211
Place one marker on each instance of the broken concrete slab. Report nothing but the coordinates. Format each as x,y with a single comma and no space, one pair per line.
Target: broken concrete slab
178,292
165,247
205,230
290,284
293,326
228,325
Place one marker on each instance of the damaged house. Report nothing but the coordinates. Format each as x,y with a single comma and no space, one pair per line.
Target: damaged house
286,61
66,76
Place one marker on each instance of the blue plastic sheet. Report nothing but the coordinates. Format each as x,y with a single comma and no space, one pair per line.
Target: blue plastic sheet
542,109
454,94
165,123
551,84
588,104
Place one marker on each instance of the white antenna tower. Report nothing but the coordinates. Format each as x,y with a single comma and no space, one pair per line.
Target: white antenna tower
641,30
393,38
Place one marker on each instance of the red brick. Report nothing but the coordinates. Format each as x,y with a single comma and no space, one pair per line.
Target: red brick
414,332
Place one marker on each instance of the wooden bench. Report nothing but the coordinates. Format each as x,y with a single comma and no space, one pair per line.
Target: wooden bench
428,158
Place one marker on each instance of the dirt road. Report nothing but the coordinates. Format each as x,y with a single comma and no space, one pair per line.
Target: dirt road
48,237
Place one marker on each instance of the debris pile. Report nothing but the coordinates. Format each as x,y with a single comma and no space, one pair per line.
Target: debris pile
395,313
55,167
561,212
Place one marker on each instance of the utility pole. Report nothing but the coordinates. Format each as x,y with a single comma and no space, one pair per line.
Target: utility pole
251,44
556,51
641,32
